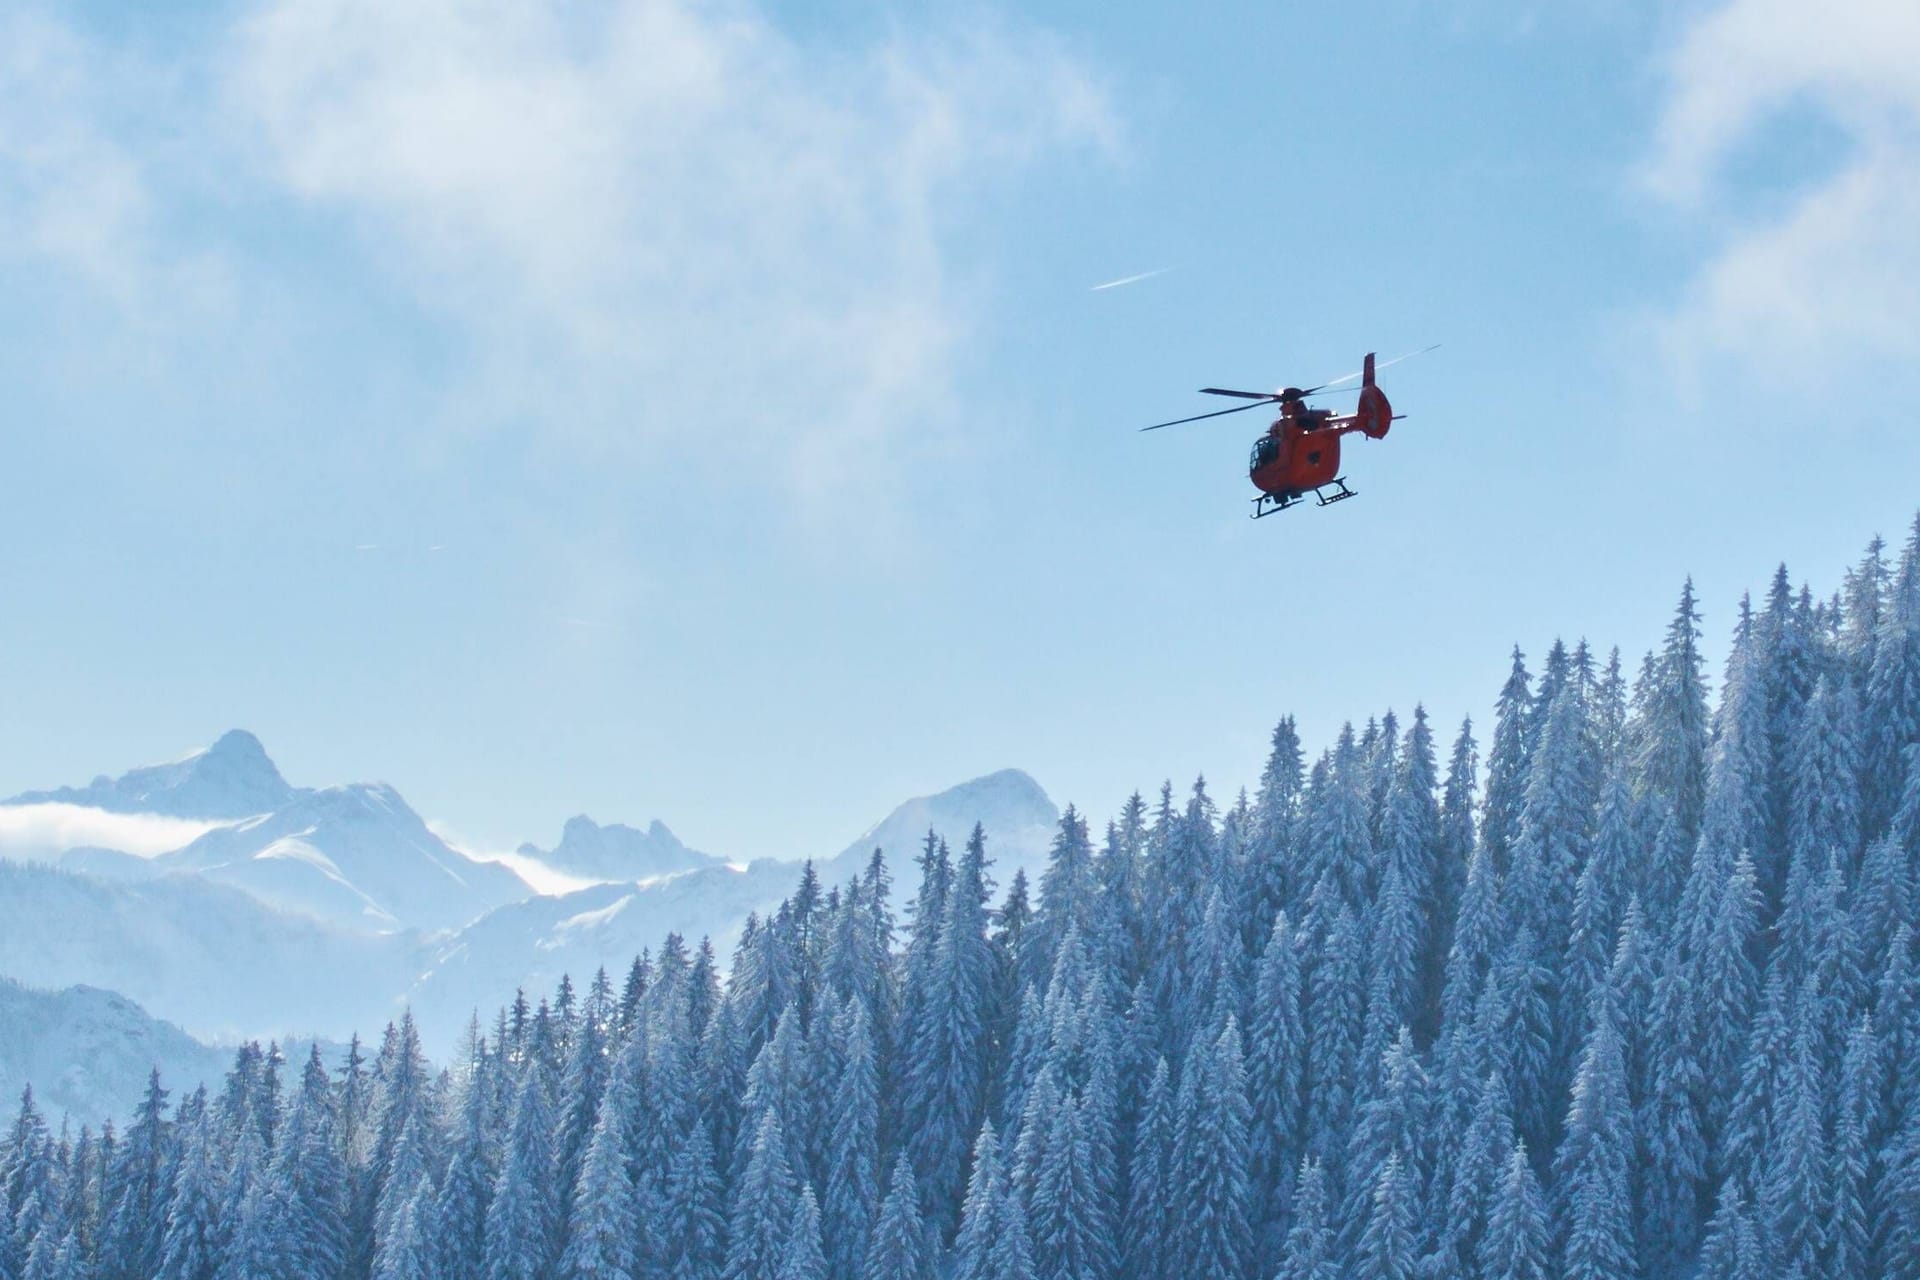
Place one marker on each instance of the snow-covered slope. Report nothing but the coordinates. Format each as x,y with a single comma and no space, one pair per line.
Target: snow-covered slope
355,856
1016,813
213,959
87,1052
325,914
618,853
531,944
234,778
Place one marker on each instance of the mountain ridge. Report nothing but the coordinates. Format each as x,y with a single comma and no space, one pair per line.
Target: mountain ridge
231,779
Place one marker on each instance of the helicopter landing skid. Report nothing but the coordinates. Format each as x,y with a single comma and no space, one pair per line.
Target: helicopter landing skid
1269,503
1340,483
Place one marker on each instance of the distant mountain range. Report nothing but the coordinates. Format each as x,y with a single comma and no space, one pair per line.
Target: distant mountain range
616,852
87,1052
304,911
233,778
357,856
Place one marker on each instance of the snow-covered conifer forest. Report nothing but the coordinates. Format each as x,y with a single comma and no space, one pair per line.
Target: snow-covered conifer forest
1622,984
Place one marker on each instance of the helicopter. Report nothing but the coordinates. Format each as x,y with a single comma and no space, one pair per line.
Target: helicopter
1300,452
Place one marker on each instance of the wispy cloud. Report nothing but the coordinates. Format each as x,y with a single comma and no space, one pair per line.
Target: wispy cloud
644,211
40,831
81,149
645,230
541,878
1813,286
1127,280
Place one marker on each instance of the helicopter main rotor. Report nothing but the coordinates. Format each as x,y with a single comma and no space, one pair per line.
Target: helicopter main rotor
1286,395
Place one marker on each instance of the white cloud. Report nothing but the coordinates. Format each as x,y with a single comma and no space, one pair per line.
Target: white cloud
548,882
654,215
72,193
42,831
643,230
1808,289
77,171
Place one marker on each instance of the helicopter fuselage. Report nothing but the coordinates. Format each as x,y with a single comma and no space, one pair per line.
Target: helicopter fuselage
1300,451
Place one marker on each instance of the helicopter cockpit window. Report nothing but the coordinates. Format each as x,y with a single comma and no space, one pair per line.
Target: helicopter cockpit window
1263,450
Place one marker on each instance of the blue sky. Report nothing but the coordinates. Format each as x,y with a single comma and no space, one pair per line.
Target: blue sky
703,412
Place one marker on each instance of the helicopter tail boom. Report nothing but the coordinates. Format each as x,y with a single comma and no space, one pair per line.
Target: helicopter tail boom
1375,414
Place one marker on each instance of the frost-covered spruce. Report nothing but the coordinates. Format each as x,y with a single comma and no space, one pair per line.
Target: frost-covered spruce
1514,1246
901,1248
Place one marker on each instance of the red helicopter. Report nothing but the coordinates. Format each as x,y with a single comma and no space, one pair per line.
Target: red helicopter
1301,450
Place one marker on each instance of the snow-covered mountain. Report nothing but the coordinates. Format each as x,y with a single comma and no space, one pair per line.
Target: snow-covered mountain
87,1052
209,957
332,908
233,778
531,944
1015,811
617,852
355,856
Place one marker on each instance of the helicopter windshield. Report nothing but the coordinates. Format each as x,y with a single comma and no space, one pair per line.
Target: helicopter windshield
1264,450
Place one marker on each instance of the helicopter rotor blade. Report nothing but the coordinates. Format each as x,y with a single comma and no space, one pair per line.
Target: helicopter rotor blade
1244,395
1383,364
1215,414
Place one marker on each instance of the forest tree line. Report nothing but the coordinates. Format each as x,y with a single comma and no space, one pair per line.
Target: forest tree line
1634,995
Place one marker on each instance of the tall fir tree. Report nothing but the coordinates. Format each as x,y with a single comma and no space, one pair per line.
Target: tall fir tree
947,1078
764,1199
902,1248
805,1259
1514,1245
522,1216
1211,1204
1594,1164
1309,1253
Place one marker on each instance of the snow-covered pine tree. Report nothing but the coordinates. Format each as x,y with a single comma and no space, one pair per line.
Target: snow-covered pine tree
1594,1164
1069,1240
693,1229
1892,692
1514,1245
1276,1073
1672,1159
135,1190
1388,1248
607,1234
947,1068
902,1247
1669,753
1309,1253
1392,1126
1147,1226
1795,1175
764,1198
1733,1246
982,1212
1276,808
1067,890
853,1146
804,1258
1335,1010
1507,762
1210,1206
522,1215
192,1247
406,1251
